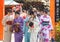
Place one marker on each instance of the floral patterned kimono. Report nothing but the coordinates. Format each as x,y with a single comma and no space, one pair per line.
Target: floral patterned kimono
46,27
34,30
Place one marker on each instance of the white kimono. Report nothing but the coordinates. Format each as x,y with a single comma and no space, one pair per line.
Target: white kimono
46,27
34,31
7,33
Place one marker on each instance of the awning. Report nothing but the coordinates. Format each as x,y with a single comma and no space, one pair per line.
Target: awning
10,3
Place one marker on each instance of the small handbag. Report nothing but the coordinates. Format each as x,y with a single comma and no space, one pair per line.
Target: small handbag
17,28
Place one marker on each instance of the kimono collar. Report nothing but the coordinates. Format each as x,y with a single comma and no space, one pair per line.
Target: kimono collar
45,16
17,18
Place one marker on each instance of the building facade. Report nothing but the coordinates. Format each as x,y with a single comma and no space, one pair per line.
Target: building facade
57,10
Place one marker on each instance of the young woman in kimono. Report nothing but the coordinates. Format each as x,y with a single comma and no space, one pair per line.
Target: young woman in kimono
33,27
18,27
26,28
7,23
46,26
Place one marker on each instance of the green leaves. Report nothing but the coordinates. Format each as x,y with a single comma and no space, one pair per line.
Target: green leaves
58,32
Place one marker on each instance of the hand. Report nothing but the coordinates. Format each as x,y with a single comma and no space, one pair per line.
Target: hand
17,23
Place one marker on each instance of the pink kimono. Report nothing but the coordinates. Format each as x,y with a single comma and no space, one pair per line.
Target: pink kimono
46,27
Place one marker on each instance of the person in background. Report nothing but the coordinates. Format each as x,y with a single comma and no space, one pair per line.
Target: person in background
7,23
46,26
33,27
18,27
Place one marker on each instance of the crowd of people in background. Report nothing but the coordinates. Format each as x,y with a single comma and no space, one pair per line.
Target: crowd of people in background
32,24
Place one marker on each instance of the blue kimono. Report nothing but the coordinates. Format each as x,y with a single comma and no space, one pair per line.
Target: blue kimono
18,35
26,28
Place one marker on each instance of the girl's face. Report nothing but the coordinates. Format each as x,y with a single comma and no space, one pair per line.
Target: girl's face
17,15
45,13
9,13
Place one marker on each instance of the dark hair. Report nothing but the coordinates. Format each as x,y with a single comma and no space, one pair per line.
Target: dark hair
31,13
31,24
45,10
38,15
17,12
9,10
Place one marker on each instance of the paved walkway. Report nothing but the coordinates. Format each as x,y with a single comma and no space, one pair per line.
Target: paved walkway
12,39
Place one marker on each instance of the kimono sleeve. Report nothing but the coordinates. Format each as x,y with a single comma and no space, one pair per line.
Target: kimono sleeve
50,24
26,20
36,24
4,21
36,21
40,23
14,22
24,25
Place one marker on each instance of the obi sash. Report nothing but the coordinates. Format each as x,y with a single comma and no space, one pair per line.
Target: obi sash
45,23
